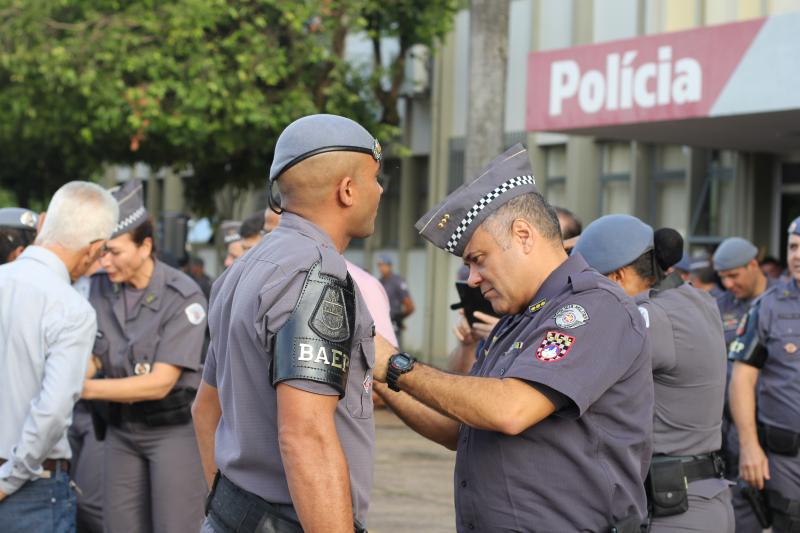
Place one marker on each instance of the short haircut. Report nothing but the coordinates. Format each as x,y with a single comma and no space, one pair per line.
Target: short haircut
13,238
79,214
573,227
705,274
143,231
252,225
531,207
769,260
647,268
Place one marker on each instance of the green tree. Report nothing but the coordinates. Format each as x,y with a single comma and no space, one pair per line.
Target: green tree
200,84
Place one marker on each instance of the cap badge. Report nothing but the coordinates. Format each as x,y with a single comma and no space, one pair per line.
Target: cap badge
571,316
28,219
377,152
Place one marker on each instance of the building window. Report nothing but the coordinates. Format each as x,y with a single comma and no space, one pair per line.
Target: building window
556,175
615,178
669,198
713,216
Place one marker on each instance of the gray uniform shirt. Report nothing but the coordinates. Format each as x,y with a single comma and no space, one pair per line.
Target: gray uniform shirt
251,301
689,362
46,334
166,325
689,359
583,467
778,398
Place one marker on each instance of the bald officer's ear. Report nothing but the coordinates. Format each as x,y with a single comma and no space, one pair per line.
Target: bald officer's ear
346,191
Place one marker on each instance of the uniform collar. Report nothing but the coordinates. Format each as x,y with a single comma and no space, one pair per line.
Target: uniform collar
47,258
788,289
154,290
331,261
557,280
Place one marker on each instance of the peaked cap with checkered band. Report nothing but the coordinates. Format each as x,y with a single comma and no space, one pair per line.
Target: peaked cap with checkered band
451,223
132,213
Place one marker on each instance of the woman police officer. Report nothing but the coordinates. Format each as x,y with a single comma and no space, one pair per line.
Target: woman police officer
688,350
151,323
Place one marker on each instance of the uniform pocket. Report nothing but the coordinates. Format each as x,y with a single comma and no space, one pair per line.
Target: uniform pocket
359,383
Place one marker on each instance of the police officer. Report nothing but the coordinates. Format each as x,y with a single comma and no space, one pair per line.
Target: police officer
151,325
736,263
285,407
17,231
553,425
703,276
765,393
689,359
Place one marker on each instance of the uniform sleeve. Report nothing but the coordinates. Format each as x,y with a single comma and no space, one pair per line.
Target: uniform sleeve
210,368
584,361
70,342
182,337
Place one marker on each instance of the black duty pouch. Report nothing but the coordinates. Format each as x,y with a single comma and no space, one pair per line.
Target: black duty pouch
173,410
667,488
780,441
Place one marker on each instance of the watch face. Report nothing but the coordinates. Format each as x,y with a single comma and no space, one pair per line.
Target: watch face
401,361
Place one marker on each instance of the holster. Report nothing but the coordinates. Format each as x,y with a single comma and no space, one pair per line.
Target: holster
785,512
758,502
667,488
779,440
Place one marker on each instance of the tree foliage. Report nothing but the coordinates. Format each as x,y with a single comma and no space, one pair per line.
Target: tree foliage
200,84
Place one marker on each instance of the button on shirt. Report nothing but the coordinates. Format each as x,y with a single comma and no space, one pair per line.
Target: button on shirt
250,302
583,467
46,335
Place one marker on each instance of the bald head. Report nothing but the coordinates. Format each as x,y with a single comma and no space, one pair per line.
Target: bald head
314,181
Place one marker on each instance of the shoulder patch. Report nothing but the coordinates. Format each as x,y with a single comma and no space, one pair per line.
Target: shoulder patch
330,319
646,316
555,346
571,316
195,313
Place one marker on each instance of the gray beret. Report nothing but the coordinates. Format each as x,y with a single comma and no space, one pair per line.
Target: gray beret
230,231
18,218
685,264
317,134
614,241
132,213
699,262
794,227
451,223
734,252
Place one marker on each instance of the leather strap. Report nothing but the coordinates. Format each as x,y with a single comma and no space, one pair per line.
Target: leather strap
50,465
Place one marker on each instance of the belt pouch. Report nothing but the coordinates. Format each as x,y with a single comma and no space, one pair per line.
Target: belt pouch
781,441
667,489
174,410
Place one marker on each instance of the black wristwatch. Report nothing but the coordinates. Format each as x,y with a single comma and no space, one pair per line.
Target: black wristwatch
399,364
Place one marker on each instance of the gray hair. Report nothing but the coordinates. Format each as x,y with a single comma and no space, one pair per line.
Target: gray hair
79,213
531,207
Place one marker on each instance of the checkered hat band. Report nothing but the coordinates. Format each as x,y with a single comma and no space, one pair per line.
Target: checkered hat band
130,219
481,205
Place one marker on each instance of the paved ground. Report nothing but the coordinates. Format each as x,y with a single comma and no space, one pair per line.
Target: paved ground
417,498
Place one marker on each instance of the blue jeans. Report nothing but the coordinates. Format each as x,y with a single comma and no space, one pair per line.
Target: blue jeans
40,506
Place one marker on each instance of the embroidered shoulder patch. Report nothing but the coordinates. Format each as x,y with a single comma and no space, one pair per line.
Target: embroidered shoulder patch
571,316
554,347
195,313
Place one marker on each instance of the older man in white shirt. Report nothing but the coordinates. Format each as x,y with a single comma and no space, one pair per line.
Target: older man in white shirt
46,334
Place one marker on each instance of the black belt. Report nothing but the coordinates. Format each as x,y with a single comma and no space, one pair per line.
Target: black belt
697,467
